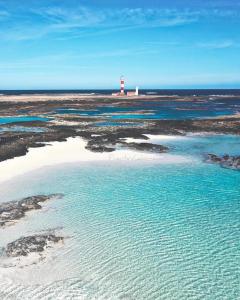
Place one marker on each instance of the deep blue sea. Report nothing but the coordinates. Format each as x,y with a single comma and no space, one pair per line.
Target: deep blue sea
170,92
136,230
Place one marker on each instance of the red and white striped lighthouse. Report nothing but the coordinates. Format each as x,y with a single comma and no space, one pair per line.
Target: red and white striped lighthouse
122,85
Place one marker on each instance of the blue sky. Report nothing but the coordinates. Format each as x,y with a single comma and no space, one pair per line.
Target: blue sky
50,44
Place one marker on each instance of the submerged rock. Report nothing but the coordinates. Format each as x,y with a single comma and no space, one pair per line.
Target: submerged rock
147,147
31,244
15,210
225,161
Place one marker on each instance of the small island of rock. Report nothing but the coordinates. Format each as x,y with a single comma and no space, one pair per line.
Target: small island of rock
15,210
225,161
31,244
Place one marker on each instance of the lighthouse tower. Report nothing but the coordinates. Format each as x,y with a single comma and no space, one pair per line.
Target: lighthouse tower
122,85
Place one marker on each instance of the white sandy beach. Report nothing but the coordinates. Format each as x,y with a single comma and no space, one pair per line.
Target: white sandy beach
73,150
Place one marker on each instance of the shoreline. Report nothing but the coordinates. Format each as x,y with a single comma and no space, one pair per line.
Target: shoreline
44,271
71,97
73,150
60,97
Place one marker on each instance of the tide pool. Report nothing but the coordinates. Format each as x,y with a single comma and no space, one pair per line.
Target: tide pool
161,109
8,120
135,230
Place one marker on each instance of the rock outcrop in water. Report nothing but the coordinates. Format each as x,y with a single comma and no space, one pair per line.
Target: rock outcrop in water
225,161
97,147
99,138
146,147
15,210
106,142
31,244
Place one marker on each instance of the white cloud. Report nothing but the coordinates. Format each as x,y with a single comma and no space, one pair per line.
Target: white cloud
74,22
33,24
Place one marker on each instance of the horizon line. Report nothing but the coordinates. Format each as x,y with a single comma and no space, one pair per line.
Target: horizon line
111,89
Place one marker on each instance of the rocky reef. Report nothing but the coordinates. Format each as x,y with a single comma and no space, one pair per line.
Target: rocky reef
225,161
14,144
31,244
98,147
15,210
107,141
146,147
101,138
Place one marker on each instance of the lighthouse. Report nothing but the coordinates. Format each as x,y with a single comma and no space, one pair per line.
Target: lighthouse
122,89
122,85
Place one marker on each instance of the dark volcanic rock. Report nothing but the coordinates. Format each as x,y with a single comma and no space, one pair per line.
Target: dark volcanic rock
100,138
99,148
147,147
14,144
14,210
35,243
105,142
225,161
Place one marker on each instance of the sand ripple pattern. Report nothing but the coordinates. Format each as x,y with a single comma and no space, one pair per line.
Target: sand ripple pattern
142,232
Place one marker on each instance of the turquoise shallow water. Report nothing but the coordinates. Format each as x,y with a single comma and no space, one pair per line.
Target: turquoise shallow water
162,109
8,120
199,145
136,230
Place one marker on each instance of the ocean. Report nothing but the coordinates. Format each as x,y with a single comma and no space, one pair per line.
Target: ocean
169,92
135,230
